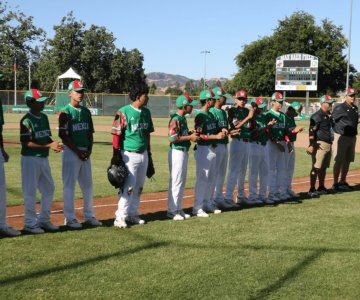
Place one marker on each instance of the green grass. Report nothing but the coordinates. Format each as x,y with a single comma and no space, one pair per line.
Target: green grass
101,156
292,251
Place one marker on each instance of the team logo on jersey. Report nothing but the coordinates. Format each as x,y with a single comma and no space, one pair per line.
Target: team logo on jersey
80,126
43,133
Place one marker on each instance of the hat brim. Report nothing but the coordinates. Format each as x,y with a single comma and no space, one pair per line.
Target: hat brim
41,99
262,105
278,100
329,102
78,89
194,102
241,98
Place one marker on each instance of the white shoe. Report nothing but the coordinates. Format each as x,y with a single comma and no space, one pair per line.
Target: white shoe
201,214
210,207
184,215
175,216
34,229
48,226
120,223
73,224
93,222
9,231
292,194
135,220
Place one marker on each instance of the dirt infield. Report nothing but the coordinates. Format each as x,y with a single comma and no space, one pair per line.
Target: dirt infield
155,202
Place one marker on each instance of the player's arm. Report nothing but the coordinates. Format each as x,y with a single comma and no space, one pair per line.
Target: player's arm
313,128
175,136
249,116
118,135
91,134
5,155
199,128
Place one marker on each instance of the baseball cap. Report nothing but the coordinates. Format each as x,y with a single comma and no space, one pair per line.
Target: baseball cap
34,94
326,99
76,85
296,106
258,102
278,97
185,100
219,91
1,75
350,92
207,95
241,94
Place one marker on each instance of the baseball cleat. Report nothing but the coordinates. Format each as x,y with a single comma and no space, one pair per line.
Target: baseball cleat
345,187
175,216
120,223
93,222
34,229
201,214
48,226
184,215
274,198
322,190
9,231
292,194
135,220
73,224
224,204
210,207
313,193
243,200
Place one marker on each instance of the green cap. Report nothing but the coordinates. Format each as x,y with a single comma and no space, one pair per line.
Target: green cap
257,102
326,99
278,97
1,75
76,85
296,106
185,100
34,94
207,95
219,91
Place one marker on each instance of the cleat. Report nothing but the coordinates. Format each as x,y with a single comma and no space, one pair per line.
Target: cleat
9,231
34,229
120,223
184,215
209,207
345,187
292,194
175,216
135,220
201,214
93,222
313,193
48,226
73,224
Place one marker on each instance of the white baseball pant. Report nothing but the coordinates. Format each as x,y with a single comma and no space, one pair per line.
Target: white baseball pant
129,199
277,172
2,192
205,158
36,174
290,165
222,154
258,169
74,169
239,156
178,161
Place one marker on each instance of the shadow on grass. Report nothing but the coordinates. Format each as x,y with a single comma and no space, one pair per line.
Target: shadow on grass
75,265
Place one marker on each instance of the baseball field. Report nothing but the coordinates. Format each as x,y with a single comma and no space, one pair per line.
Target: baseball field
307,250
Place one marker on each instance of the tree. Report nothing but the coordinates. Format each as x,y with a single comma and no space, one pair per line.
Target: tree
175,90
18,35
295,34
152,89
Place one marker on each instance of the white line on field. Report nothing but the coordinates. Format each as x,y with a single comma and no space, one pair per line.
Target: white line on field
156,200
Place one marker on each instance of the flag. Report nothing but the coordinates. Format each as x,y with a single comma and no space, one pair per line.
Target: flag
15,66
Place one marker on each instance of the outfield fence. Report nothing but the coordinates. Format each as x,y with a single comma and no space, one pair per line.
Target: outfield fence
161,106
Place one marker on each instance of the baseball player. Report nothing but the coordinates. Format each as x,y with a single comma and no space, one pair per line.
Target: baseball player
238,117
207,127
276,150
76,131
180,140
222,148
320,142
131,143
258,165
35,137
293,110
4,157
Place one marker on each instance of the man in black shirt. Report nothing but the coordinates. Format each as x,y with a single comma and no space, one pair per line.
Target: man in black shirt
320,145
346,118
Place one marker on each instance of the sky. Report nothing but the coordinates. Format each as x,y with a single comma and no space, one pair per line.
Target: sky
172,34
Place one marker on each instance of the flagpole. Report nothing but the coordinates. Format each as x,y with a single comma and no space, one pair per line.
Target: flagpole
15,102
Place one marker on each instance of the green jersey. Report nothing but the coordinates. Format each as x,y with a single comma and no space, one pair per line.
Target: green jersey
280,128
77,124
205,123
37,130
177,128
291,127
221,117
238,114
133,126
259,133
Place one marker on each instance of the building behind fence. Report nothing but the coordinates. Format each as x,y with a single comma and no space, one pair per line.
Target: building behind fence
161,106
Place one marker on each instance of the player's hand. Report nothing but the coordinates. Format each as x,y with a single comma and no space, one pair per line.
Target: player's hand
234,131
251,113
83,155
310,150
56,147
220,135
272,122
225,131
298,129
5,155
280,147
194,137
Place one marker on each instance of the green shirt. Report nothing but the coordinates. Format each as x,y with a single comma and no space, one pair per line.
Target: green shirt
77,124
259,134
291,127
134,126
37,130
239,114
221,117
279,129
205,123
177,128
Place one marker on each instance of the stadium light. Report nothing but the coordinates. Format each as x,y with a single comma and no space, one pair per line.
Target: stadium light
205,52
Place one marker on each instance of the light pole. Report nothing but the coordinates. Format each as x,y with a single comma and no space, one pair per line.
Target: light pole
348,62
205,52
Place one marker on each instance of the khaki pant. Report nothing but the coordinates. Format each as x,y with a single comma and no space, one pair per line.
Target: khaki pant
322,156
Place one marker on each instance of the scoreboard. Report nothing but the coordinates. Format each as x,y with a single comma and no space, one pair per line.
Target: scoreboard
296,72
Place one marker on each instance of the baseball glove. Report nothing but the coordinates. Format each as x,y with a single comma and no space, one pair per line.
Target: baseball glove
117,174
150,172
